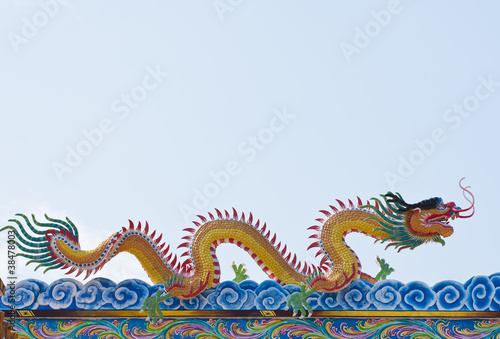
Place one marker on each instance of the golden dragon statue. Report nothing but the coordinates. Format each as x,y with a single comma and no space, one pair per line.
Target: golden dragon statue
54,244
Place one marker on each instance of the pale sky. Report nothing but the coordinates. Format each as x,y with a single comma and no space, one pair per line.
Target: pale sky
148,111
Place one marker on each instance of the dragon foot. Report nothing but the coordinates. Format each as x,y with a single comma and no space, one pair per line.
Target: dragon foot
152,305
299,303
385,269
240,273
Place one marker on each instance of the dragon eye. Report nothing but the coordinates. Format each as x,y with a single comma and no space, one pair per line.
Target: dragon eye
441,206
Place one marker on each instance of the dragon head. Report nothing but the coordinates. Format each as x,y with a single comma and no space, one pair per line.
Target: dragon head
410,225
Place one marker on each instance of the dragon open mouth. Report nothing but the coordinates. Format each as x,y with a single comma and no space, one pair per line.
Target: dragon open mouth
440,219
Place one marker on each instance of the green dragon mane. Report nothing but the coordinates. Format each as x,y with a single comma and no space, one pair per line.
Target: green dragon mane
393,223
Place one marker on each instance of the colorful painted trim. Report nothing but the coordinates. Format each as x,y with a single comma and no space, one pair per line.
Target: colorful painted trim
259,328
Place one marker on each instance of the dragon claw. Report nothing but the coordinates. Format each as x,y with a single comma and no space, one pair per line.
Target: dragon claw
152,305
298,301
385,269
239,272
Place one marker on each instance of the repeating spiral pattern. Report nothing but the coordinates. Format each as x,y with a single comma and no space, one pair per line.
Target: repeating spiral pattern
480,293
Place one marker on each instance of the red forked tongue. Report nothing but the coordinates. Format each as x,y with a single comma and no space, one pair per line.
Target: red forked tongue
465,190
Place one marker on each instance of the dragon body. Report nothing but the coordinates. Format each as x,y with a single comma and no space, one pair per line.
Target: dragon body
54,244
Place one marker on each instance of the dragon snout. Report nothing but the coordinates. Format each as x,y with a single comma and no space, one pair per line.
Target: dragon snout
453,210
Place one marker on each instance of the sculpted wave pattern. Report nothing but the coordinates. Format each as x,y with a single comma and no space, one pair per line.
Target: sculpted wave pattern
480,293
259,328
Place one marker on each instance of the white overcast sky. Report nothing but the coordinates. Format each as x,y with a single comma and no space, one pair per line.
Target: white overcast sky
299,102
